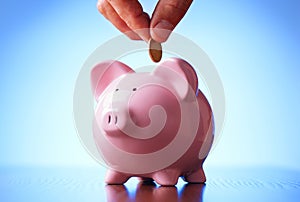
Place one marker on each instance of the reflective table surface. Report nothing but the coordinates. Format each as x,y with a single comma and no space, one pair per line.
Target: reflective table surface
86,184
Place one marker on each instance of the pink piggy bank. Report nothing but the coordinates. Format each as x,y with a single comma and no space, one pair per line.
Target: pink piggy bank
153,125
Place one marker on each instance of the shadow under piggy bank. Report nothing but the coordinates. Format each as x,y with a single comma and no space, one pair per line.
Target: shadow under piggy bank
151,193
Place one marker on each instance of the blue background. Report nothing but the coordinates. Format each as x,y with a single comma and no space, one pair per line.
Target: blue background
254,45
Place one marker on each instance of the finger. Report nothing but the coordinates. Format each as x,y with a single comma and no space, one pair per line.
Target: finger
131,12
166,16
110,14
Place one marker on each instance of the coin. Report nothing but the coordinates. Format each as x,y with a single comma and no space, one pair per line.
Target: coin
155,50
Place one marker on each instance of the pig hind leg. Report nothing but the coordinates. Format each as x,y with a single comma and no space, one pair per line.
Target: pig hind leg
114,177
197,176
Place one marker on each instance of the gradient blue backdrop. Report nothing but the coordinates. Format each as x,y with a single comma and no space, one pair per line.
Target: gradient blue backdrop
254,44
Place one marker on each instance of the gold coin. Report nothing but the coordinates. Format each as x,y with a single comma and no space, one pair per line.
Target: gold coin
155,50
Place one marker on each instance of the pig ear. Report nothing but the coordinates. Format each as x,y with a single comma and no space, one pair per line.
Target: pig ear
180,74
104,73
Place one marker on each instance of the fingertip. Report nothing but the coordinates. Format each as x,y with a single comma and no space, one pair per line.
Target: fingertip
100,5
133,36
161,31
141,26
144,34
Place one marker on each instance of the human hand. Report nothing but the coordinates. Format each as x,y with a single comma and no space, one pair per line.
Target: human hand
128,17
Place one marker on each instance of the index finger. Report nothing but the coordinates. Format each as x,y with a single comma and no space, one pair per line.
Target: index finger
131,12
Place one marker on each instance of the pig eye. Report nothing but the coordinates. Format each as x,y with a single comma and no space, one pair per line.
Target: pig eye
117,89
134,89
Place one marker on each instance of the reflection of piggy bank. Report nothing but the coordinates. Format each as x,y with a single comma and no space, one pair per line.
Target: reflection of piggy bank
154,125
151,193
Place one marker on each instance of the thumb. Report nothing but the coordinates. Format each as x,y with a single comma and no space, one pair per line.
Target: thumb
166,16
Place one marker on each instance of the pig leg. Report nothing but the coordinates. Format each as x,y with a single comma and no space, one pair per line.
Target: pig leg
167,177
197,176
114,177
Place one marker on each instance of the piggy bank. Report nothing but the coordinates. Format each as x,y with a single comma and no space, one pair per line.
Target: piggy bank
152,125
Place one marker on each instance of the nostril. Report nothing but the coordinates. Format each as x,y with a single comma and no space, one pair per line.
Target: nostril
116,120
109,118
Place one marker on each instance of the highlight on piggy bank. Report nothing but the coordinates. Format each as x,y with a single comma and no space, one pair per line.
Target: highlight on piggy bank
153,125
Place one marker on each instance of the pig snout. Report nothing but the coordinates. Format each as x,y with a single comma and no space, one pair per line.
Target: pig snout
112,122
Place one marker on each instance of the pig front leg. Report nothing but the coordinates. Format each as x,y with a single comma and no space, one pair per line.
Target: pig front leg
167,177
197,176
114,177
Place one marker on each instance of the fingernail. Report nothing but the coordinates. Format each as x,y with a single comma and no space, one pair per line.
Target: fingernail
162,31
